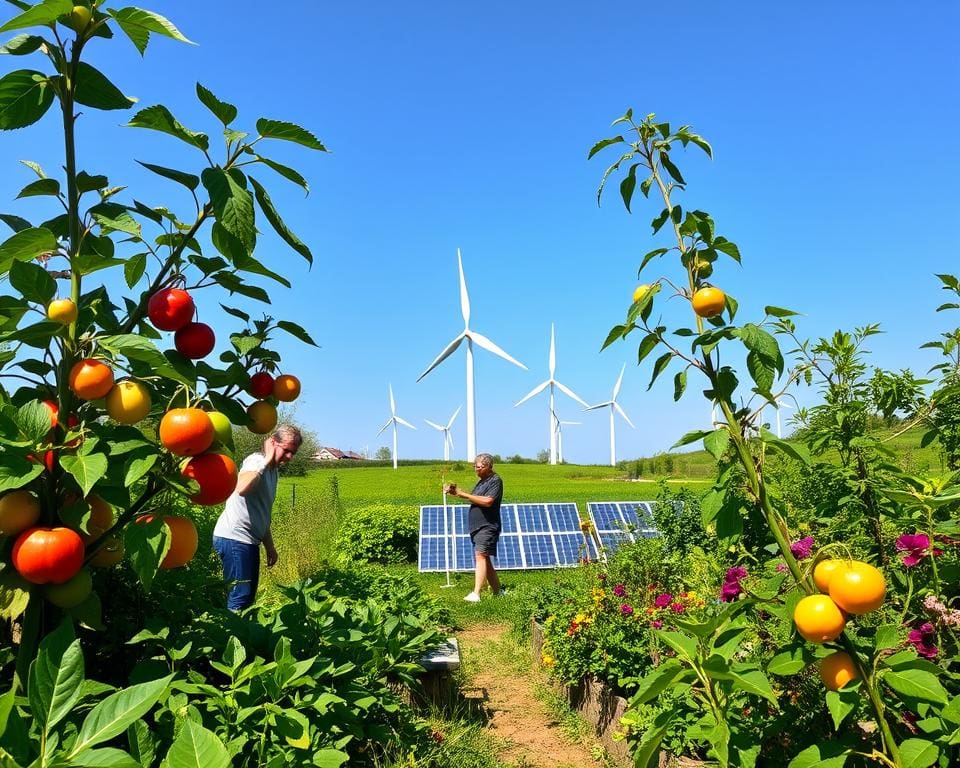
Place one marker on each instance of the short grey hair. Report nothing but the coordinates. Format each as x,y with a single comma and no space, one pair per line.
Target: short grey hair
486,459
287,432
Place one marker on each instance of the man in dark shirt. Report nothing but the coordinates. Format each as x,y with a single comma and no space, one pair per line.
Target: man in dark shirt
484,523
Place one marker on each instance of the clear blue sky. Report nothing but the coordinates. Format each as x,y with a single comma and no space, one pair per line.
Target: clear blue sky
467,125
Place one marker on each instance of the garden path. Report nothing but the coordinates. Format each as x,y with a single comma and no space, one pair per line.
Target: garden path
503,684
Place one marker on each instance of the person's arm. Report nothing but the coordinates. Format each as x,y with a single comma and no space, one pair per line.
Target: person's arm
271,550
480,501
247,481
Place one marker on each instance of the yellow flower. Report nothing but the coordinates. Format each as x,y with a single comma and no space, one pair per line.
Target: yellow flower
547,660
598,594
691,595
583,618
549,621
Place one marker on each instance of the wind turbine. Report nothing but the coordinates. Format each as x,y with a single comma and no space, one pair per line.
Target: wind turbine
560,424
552,382
447,437
394,419
614,406
484,343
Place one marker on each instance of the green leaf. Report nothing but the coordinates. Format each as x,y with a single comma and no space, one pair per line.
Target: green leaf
616,333
778,312
42,14
158,118
16,223
146,544
917,684
246,263
87,470
647,752
691,437
829,755
16,471
651,255
33,282
285,171
123,222
716,442
918,753
33,421
725,246
627,185
138,464
25,96
604,143
107,757
789,661
266,205
196,747
685,646
667,163
232,205
112,715
235,285
95,90
657,681
795,451
88,183
296,331
134,269
888,636
277,129
138,24
142,744
188,180
225,113
39,188
679,384
842,703
56,677
660,366
21,45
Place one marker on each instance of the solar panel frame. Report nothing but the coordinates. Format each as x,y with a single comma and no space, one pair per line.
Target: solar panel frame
534,536
616,522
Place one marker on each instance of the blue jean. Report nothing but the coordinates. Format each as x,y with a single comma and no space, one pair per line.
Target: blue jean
241,570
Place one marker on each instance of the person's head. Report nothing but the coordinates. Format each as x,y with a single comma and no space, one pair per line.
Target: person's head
483,465
288,438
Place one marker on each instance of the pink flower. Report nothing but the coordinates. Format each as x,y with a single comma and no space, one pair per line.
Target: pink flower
656,623
626,610
781,567
801,549
922,640
663,600
731,584
916,546
736,573
678,607
619,590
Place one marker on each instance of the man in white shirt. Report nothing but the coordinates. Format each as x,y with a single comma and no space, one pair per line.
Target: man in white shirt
244,523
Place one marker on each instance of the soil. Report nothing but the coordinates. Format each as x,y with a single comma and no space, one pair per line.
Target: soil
532,738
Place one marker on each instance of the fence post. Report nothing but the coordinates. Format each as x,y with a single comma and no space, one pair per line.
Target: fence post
293,496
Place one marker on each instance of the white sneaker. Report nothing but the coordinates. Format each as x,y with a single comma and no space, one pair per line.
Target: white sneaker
473,597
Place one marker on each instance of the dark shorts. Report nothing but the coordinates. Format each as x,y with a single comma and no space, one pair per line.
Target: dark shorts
485,539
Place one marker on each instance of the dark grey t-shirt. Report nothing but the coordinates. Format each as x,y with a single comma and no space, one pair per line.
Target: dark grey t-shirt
481,516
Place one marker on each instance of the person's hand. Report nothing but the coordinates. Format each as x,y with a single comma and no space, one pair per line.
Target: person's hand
274,453
450,488
272,556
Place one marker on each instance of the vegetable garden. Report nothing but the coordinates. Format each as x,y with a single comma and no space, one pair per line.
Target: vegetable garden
801,609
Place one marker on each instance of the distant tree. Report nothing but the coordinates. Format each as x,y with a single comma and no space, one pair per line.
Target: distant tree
383,454
543,456
516,459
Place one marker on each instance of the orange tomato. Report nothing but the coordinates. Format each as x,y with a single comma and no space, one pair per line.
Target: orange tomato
128,402
818,619
286,388
62,311
823,572
186,431
709,301
858,587
838,669
216,474
48,555
19,510
263,417
91,379
183,540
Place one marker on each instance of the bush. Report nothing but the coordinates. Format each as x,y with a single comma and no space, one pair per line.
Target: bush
378,533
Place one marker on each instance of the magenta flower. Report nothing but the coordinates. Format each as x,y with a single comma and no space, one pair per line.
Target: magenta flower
656,624
915,546
923,640
736,573
801,549
731,584
626,610
619,590
678,607
663,600
781,567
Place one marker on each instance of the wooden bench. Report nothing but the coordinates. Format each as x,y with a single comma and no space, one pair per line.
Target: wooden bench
439,686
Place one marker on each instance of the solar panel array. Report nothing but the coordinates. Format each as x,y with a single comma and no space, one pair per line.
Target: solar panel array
533,536
616,522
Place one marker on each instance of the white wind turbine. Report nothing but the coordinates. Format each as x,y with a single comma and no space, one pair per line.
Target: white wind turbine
394,419
484,343
614,406
552,382
447,437
560,425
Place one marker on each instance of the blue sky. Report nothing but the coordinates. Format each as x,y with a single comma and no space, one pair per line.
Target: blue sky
455,125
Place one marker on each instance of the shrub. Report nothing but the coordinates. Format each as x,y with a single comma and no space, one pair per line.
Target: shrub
378,533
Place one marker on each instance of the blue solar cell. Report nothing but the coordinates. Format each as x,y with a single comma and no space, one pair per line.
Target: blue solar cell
639,514
605,516
572,548
508,518
508,553
539,551
533,517
612,541
564,517
431,555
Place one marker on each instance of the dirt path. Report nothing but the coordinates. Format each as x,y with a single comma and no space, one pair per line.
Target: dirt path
532,738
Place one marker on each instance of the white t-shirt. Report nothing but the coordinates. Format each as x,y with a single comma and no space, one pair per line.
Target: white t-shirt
247,518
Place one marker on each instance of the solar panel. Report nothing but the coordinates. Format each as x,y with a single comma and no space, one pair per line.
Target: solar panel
616,522
533,536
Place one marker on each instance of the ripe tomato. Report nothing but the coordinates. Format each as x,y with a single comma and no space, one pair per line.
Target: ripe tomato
72,592
48,555
183,540
195,340
170,309
19,510
838,669
217,475
62,311
823,572
128,402
858,587
263,417
186,431
709,301
261,385
109,552
91,379
286,388
54,412
818,619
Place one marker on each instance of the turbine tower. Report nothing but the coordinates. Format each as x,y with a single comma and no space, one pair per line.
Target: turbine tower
394,419
484,343
614,406
447,437
552,382
560,425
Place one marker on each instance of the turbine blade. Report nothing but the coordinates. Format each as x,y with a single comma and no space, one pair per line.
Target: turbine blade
553,353
454,417
616,388
569,393
405,423
393,407
450,349
464,297
535,391
488,345
385,426
435,426
598,405
624,414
